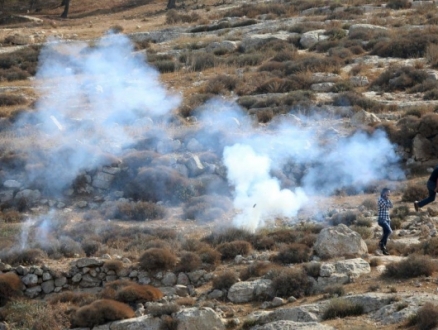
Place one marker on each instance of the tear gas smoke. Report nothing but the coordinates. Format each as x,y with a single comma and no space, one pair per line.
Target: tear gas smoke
93,100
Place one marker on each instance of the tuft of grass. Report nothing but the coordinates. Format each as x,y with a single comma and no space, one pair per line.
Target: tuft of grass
340,308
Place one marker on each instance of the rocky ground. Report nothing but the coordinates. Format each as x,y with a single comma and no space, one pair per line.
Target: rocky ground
195,50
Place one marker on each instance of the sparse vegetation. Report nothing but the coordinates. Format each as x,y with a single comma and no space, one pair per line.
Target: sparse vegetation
413,266
340,308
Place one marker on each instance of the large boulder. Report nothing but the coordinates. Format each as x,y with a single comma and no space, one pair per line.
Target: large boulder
339,241
311,38
139,323
199,319
246,291
291,325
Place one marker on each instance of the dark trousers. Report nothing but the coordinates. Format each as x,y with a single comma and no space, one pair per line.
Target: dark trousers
386,226
432,194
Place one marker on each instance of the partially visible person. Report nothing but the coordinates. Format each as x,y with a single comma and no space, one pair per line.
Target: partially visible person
432,187
383,220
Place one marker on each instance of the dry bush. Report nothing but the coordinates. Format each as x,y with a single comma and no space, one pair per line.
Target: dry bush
101,312
279,85
254,10
169,323
34,314
210,256
264,115
430,247
396,223
356,99
10,286
364,232
398,4
288,282
349,13
202,61
364,222
159,183
224,280
158,310
292,253
206,208
74,298
431,95
230,250
426,317
432,55
173,17
90,247
156,259
134,292
114,265
414,192
412,45
185,301
165,66
370,204
7,99
243,60
228,235
188,262
346,218
397,78
340,308
70,248
17,257
413,266
401,212
256,269
428,125
220,84
137,211
136,159
20,64
11,216
374,262
334,291
312,269
116,29
312,64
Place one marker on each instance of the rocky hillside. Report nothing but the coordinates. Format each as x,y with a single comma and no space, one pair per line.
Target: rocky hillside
217,165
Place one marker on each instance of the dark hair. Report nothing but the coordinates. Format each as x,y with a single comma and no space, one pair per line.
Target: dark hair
384,191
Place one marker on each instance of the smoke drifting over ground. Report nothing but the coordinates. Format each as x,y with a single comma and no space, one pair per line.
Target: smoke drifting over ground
93,99
329,164
100,99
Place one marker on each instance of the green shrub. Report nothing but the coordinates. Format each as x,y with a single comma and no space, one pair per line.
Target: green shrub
292,253
156,259
230,250
291,282
225,280
340,308
413,266
100,312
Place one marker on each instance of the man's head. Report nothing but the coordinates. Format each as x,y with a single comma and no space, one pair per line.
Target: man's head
385,192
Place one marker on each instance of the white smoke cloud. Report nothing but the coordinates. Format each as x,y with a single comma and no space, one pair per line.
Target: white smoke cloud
257,194
94,100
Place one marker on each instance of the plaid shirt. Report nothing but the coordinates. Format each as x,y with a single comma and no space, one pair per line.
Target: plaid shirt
384,206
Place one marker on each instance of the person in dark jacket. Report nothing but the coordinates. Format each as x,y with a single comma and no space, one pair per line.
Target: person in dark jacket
383,220
432,187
